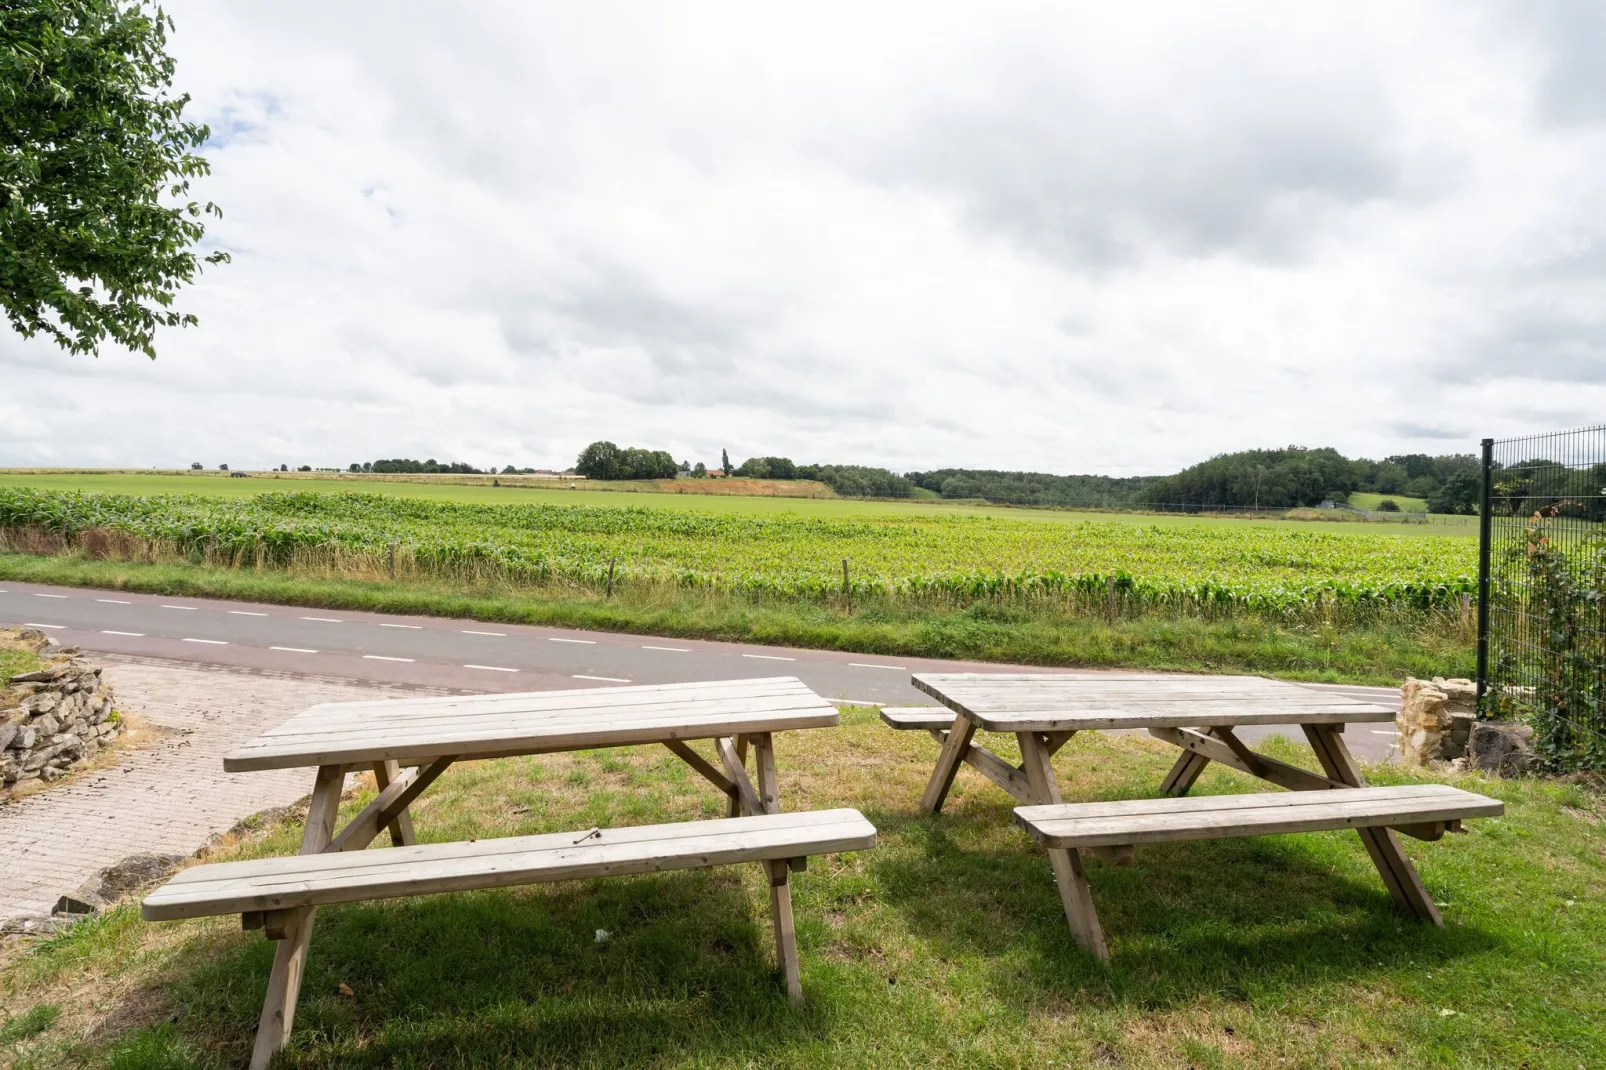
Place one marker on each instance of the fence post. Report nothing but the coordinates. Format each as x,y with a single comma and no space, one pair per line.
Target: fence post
611,562
847,589
392,560
1109,588
1485,534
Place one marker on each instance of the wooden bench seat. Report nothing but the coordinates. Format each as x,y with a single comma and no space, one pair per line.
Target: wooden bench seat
1112,829
917,717
284,883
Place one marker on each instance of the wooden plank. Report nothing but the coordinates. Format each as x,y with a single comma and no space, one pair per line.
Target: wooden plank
400,826
702,765
383,808
1187,768
380,746
575,697
1075,895
992,767
736,770
1399,876
1280,773
302,881
785,932
960,731
769,788
290,954
906,717
1216,817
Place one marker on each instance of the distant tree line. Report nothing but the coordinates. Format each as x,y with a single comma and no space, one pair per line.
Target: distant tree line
1031,488
604,460
848,480
406,466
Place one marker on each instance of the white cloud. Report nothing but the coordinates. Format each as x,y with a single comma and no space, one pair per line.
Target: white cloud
1022,236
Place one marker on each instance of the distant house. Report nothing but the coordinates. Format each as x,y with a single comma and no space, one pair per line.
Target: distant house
716,473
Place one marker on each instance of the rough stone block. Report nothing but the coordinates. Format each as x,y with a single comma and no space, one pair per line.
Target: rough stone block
47,725
1502,747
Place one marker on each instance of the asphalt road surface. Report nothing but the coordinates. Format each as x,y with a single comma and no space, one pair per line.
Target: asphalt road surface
486,656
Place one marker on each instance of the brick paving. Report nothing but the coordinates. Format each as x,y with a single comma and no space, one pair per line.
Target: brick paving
166,796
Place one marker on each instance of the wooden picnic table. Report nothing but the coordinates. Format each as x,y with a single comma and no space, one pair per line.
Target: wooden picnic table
1197,714
431,734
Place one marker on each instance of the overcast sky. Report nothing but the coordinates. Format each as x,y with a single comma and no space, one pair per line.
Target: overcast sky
1116,239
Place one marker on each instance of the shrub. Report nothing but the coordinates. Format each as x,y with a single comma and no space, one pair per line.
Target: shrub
1388,505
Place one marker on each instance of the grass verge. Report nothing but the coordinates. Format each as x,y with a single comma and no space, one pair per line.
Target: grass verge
1381,651
944,946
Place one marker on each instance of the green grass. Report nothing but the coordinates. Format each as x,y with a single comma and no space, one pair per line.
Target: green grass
13,662
945,946
1407,505
212,484
1383,651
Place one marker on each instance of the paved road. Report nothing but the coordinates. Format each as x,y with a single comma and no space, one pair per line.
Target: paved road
381,648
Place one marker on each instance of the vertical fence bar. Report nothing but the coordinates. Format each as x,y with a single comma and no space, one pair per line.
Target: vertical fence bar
1485,532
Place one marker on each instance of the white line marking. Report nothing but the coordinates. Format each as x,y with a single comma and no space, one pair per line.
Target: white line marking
293,649
381,657
415,627
36,624
326,620
675,649
555,639
491,668
609,679
178,607
471,631
136,635
246,613
115,601
768,657
868,665
36,594
209,642
1383,732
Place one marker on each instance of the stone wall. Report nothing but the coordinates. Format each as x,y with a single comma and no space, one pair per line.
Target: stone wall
54,718
1438,722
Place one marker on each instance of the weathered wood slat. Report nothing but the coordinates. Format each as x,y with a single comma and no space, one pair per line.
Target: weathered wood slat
1212,749
1162,820
322,879
991,766
908,717
573,696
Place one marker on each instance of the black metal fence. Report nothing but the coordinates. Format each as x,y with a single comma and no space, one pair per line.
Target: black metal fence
1542,592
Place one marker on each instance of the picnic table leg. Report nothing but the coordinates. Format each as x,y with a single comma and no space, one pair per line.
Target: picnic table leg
778,871
401,829
1399,876
290,957
734,807
1182,775
953,752
1067,865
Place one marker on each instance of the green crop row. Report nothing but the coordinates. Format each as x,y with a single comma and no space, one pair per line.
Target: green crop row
919,558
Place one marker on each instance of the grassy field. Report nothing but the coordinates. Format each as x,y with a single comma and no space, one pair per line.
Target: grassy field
1407,505
218,484
1382,651
945,946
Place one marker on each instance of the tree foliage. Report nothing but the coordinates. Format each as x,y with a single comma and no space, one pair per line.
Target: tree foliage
97,231
604,460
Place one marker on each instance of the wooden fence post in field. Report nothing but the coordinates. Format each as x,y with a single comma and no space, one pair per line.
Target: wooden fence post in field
847,588
392,560
1109,587
611,562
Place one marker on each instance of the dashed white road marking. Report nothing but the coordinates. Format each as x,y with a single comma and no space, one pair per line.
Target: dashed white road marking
293,649
768,657
674,649
471,631
115,601
608,679
209,642
177,607
414,627
134,635
36,624
325,620
1383,732
868,665
555,639
40,594
491,668
383,657
246,613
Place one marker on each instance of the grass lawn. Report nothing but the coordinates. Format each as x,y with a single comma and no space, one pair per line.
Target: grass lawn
944,946
1382,652
830,508
13,662
1407,505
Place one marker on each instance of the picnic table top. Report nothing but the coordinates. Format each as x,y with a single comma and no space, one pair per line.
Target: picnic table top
533,722
1064,702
